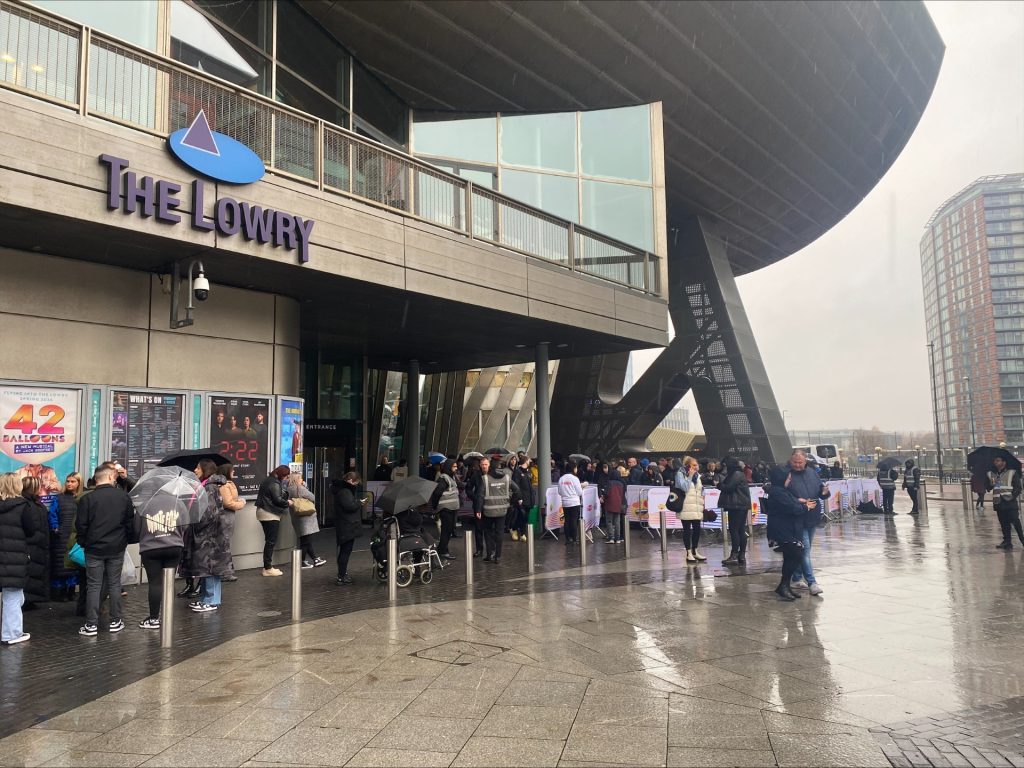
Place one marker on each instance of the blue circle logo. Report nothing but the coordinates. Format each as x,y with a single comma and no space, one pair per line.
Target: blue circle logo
214,154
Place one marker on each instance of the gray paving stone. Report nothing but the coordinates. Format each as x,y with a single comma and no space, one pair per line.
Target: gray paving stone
315,746
400,758
528,722
215,753
494,752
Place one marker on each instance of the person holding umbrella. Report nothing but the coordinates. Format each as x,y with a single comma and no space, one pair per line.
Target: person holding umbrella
1005,499
211,554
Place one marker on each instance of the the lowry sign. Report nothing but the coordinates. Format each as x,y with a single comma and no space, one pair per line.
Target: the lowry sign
221,158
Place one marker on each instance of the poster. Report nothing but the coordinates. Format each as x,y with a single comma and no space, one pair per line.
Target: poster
657,500
144,427
554,518
40,433
290,430
591,507
239,429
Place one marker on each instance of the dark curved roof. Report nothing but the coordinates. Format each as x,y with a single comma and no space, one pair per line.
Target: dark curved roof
779,117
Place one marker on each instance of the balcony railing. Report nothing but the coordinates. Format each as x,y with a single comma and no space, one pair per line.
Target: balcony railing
48,57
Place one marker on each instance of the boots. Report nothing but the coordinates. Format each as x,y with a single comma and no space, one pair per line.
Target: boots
741,558
1005,544
690,559
732,559
698,556
785,593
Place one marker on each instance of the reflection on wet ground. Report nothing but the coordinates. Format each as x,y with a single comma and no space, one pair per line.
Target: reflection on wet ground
910,657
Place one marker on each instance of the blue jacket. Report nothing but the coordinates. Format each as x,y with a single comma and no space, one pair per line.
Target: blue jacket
807,485
785,513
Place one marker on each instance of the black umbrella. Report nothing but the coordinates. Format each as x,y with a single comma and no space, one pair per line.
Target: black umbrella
407,493
890,462
188,459
579,457
980,459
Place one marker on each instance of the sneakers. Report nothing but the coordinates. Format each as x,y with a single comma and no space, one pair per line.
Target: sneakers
149,624
116,626
203,607
24,636
814,589
342,581
318,562
798,584
88,630
273,572
306,565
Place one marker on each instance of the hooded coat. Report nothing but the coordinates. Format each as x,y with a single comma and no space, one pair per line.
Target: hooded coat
66,508
348,511
211,547
37,586
735,494
17,524
785,514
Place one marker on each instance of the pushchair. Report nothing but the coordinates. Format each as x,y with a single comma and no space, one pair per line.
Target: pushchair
416,555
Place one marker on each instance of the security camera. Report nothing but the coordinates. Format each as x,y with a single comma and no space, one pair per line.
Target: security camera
201,288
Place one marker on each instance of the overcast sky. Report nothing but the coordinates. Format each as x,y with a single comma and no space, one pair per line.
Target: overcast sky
865,273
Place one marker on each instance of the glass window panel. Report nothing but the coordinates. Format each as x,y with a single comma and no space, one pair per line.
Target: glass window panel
617,143
198,42
134,22
621,211
540,141
252,21
557,195
295,93
472,139
309,52
378,105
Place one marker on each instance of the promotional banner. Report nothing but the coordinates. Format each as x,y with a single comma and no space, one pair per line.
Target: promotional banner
554,517
756,494
144,427
591,507
40,433
289,420
657,499
239,430
636,502
834,502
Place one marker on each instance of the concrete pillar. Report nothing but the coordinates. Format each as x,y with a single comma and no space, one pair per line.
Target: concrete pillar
540,379
412,419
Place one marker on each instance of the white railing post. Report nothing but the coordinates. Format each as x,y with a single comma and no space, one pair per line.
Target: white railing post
83,71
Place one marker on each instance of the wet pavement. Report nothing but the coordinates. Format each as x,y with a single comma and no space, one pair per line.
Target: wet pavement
912,656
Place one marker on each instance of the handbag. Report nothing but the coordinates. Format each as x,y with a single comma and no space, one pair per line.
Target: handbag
710,515
77,555
675,501
303,507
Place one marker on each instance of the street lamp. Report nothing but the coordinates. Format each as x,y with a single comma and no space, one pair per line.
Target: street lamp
970,408
918,449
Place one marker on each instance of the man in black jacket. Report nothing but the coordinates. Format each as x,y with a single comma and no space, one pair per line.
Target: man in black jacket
103,525
735,501
911,482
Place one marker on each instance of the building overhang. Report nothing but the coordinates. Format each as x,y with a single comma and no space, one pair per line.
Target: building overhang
779,117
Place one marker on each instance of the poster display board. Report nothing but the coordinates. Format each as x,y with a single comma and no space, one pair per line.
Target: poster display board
289,430
145,427
591,507
240,431
39,434
657,500
554,518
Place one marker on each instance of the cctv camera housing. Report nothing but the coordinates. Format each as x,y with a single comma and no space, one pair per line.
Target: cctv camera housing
201,288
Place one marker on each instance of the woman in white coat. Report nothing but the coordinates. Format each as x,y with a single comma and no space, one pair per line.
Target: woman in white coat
688,481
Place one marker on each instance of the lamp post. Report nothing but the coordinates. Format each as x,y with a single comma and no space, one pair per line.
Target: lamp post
970,408
917,448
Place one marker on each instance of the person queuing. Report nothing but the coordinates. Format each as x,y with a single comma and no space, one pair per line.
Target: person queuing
687,480
232,504
37,587
808,488
652,476
17,525
63,575
445,499
570,490
613,503
521,477
1006,501
911,482
473,525
979,486
786,528
348,521
306,525
161,541
103,526
887,477
735,502
271,503
492,494
211,548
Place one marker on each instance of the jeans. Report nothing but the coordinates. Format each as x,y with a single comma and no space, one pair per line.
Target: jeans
806,571
615,520
154,561
270,529
96,569
210,591
13,599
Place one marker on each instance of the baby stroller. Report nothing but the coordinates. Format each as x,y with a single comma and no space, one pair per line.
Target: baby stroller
415,553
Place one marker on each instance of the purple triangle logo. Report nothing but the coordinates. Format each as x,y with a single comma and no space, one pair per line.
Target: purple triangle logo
199,136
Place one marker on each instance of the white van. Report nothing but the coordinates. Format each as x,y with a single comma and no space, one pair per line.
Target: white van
826,453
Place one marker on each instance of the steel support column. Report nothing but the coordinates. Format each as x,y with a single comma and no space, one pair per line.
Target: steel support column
540,377
412,418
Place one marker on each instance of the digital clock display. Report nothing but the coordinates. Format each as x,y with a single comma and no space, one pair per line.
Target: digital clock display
239,430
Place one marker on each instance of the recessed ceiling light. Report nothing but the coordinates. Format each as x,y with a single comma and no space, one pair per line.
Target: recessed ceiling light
6,57
38,68
562,346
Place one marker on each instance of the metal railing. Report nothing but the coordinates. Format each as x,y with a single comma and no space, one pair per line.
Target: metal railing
48,57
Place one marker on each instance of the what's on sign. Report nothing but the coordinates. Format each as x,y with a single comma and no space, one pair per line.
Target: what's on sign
223,159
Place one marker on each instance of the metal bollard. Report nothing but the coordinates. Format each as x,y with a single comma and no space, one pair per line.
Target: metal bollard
470,543
965,491
664,532
922,497
296,585
581,529
529,547
625,532
392,568
167,610
725,532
